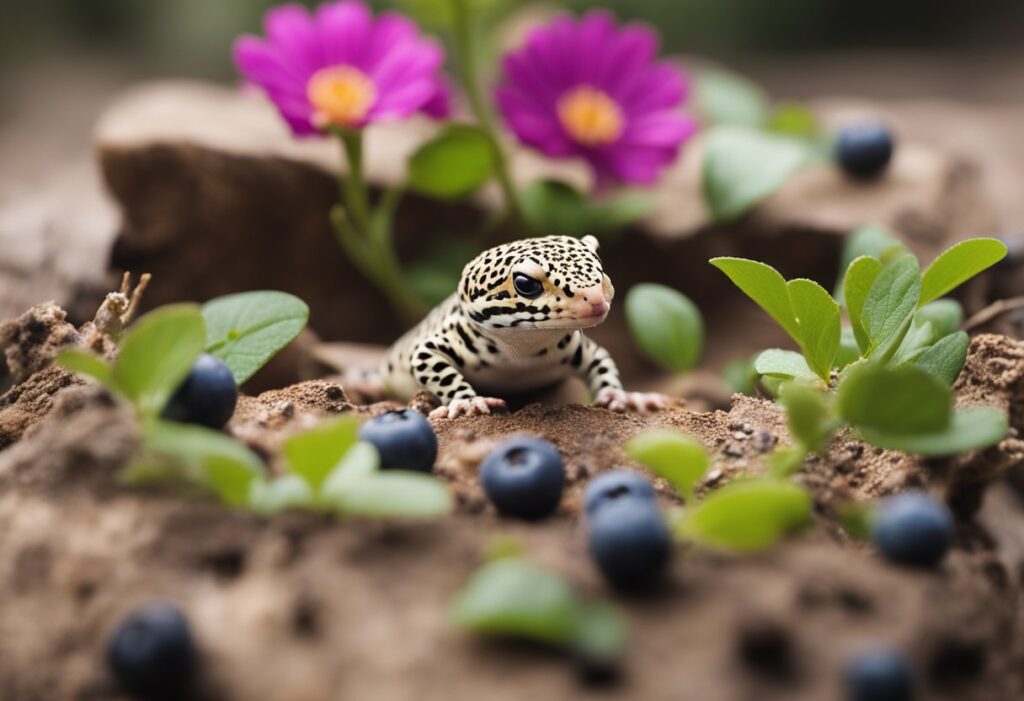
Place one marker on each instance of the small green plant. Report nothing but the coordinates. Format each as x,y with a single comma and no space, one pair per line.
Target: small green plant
746,514
891,366
665,325
752,147
511,597
329,469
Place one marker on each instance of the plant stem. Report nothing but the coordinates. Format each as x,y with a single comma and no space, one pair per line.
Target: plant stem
367,240
465,54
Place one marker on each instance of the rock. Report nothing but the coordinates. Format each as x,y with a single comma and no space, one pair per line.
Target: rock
205,174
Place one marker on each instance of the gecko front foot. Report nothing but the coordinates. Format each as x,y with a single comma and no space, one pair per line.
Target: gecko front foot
475,406
621,400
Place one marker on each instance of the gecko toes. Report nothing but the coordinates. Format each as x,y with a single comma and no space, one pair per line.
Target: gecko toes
620,400
474,406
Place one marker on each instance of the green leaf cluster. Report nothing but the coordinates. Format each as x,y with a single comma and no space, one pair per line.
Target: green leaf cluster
555,207
330,469
514,598
895,361
752,147
665,325
744,515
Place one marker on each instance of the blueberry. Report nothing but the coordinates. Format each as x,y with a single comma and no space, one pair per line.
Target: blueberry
523,477
864,150
913,529
612,486
629,541
207,396
404,439
879,675
151,652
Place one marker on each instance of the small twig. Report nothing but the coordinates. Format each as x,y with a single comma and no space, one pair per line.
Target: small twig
1000,306
140,288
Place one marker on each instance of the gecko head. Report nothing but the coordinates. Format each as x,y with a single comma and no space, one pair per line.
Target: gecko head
555,282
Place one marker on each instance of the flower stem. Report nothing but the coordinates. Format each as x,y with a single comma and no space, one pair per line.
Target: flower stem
465,54
368,240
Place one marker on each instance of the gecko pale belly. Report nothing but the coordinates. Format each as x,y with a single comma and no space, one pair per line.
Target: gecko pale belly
514,324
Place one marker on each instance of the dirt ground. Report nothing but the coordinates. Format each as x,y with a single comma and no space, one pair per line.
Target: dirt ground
304,607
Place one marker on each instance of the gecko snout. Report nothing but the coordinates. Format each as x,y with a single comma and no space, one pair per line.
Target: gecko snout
593,301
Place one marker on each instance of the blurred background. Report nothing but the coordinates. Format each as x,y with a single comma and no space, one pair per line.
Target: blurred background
62,60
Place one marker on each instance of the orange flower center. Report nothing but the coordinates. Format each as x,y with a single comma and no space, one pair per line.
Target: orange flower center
340,95
590,116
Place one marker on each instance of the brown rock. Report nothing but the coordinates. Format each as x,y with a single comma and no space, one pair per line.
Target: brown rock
206,175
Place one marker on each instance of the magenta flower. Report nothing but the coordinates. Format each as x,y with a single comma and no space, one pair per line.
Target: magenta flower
592,89
342,67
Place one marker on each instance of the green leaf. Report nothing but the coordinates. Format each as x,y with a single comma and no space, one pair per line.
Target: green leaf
868,240
618,211
743,166
794,119
945,316
807,414
890,304
665,325
313,454
554,207
763,284
281,494
246,330
959,264
600,632
849,350
206,457
946,358
453,164
671,455
903,399
393,494
856,519
741,376
361,461
156,354
860,276
782,462
724,97
436,276
511,597
818,321
970,429
87,364
920,336
784,364
747,514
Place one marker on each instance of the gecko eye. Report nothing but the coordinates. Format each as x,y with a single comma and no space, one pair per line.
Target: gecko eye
526,286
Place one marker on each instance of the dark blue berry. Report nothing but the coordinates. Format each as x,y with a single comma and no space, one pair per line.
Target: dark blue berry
864,150
879,675
523,477
629,541
207,396
614,485
913,529
152,654
404,439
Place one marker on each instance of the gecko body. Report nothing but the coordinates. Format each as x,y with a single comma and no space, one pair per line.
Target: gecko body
513,325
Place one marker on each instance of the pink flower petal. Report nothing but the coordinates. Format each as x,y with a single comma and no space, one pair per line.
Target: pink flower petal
659,87
594,33
290,28
628,54
406,62
439,106
261,64
343,28
389,31
665,129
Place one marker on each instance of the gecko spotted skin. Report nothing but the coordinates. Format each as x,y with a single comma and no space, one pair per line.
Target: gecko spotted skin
514,325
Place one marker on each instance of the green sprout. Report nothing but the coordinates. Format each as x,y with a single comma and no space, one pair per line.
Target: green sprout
891,366
510,597
748,514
